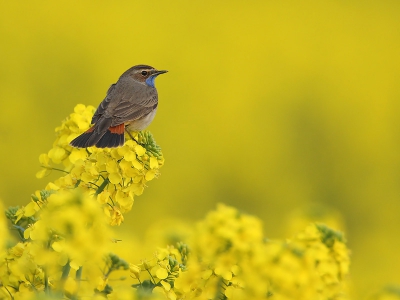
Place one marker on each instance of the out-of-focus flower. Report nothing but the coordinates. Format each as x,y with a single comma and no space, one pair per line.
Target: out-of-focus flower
135,270
65,238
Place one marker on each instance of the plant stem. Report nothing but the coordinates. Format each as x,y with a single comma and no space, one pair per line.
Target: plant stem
102,186
46,283
11,296
65,271
78,277
60,170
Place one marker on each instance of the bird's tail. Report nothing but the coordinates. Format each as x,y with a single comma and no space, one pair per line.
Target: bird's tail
111,138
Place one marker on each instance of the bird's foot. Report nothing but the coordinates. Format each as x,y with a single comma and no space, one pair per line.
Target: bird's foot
131,136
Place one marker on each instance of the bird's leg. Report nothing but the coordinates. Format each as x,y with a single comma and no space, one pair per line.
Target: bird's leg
126,129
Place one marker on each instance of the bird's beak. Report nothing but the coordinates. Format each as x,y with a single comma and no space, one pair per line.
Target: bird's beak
159,72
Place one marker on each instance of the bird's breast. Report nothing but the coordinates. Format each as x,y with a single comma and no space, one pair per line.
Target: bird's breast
142,123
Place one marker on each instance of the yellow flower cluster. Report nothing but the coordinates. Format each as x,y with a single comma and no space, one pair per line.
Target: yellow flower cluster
65,227
114,176
68,232
230,259
65,239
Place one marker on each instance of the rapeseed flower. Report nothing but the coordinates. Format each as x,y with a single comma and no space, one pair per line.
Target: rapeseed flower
114,176
65,238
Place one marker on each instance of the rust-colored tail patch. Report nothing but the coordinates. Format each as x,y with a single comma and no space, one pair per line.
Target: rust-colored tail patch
113,137
119,129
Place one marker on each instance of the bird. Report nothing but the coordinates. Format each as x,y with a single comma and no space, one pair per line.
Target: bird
130,105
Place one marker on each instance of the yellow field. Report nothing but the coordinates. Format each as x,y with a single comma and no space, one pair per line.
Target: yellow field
279,109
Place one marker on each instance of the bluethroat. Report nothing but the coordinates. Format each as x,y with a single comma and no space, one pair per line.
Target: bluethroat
130,105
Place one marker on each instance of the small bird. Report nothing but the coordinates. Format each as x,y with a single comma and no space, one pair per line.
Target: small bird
130,105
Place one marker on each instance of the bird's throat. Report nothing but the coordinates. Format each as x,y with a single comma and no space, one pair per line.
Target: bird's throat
150,81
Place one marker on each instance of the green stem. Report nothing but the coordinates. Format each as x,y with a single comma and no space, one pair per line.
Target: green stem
64,276
77,183
102,186
65,271
78,277
79,274
94,183
46,283
11,296
59,170
154,281
141,284
20,231
46,277
220,293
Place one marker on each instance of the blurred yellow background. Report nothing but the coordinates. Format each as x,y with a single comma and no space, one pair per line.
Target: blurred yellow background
270,106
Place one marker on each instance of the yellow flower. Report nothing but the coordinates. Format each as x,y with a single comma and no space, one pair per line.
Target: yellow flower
88,168
102,282
161,273
116,217
135,270
137,165
153,162
147,264
37,231
76,226
57,154
70,286
140,151
19,214
150,175
224,264
103,197
115,178
124,200
44,161
77,154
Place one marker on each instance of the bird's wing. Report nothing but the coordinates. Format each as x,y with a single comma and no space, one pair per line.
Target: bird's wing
103,105
122,105
127,110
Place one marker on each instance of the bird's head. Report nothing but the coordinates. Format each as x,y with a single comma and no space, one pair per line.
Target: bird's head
144,74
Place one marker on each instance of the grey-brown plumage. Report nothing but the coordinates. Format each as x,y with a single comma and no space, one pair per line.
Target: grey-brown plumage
130,104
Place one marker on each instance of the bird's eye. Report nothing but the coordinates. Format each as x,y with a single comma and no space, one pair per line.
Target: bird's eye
144,73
